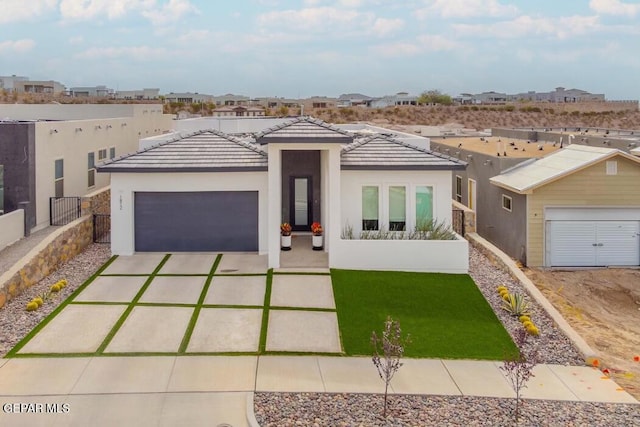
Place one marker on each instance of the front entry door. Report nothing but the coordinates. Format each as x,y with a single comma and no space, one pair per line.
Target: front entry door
300,202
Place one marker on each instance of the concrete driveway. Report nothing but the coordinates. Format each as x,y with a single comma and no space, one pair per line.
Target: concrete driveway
197,303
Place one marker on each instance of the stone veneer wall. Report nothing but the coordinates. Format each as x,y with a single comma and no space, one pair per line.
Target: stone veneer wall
98,202
56,249
469,217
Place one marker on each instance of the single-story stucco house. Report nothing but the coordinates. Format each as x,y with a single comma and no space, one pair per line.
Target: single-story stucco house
209,191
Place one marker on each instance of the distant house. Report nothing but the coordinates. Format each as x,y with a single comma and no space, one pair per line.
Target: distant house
399,99
188,97
210,191
91,91
141,94
238,111
39,86
353,100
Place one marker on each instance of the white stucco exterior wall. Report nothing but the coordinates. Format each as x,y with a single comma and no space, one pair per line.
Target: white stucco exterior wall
60,140
351,194
124,185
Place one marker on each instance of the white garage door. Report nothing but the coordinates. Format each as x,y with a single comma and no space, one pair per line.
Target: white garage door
592,243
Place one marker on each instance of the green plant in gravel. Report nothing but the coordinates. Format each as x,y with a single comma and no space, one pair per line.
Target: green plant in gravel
388,349
516,304
519,369
32,306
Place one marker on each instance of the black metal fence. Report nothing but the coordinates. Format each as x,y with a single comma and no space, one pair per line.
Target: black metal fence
63,210
102,228
457,221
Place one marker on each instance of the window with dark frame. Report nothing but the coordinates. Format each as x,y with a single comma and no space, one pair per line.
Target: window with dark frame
91,165
458,188
506,202
112,153
59,178
102,154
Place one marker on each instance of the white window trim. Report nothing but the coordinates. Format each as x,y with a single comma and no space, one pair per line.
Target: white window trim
409,218
380,206
505,197
611,167
412,202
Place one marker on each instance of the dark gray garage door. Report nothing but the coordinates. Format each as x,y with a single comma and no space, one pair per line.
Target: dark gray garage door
196,221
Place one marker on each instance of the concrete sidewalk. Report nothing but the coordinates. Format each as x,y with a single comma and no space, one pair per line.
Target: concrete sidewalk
214,390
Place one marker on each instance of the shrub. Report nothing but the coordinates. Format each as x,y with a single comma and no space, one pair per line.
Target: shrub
38,301
391,345
32,306
516,304
55,288
519,370
533,330
524,319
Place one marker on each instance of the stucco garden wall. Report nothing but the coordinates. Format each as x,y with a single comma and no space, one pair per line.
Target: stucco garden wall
434,256
11,228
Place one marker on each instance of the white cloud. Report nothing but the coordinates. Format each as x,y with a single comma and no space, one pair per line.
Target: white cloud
139,53
76,40
383,26
465,9
561,28
169,12
333,22
23,10
159,13
614,7
19,46
422,44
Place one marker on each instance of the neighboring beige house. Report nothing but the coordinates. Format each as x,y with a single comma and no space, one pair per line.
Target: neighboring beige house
582,207
50,150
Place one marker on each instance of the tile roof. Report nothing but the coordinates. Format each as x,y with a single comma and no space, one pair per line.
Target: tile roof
385,153
304,130
203,151
529,175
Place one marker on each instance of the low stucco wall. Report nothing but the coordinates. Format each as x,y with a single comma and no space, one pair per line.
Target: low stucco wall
433,256
60,246
11,228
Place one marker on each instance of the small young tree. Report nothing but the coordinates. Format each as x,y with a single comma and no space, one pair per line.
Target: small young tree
519,369
387,352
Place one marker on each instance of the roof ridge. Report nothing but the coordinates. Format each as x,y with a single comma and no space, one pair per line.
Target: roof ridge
299,119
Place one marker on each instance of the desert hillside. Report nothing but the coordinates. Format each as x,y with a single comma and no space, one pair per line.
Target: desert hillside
612,115
483,117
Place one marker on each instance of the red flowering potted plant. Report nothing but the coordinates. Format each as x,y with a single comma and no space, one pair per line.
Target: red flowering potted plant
285,236
316,239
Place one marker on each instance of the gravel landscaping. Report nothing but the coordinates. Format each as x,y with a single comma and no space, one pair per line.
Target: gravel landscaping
16,322
322,409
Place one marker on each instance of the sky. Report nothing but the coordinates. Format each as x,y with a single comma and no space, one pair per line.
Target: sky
298,49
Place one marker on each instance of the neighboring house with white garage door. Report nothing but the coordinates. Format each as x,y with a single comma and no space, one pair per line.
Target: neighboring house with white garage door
209,191
582,207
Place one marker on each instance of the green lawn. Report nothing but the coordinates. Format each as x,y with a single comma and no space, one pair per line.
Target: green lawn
445,314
